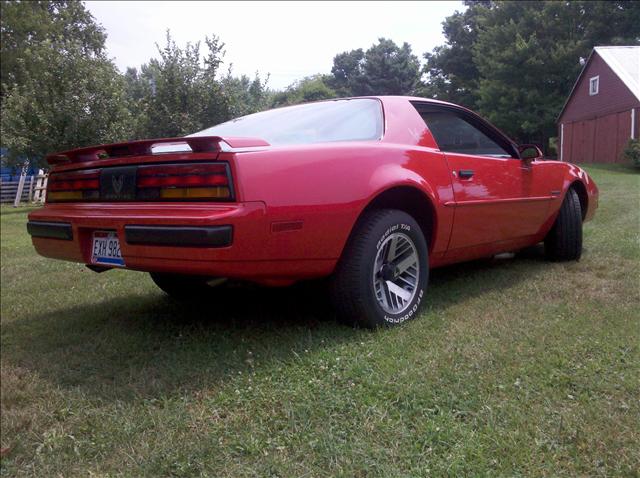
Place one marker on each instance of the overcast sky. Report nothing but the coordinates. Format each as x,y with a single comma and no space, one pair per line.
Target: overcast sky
285,39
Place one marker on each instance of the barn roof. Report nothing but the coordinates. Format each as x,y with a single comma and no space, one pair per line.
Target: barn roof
625,63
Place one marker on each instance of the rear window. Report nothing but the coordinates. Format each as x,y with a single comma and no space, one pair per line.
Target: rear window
328,121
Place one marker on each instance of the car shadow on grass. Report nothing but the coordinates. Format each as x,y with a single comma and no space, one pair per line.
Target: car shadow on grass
149,346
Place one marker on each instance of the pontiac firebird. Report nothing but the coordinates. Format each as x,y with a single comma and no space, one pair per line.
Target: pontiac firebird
369,192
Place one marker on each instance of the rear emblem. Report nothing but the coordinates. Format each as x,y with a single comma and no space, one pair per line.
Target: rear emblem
117,182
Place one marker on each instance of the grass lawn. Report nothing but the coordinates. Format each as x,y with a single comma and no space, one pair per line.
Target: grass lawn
517,367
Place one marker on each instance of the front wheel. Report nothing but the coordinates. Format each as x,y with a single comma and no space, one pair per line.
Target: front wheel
382,276
564,240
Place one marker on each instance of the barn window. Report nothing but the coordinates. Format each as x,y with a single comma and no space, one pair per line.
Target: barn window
594,85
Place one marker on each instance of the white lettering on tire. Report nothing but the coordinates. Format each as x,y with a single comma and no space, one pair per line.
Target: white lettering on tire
408,315
395,227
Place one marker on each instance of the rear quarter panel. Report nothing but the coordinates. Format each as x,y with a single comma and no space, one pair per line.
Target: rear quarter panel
324,188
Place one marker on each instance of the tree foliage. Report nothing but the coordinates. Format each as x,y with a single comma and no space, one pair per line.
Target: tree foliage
384,69
182,92
631,153
517,61
178,92
243,95
26,25
452,74
390,69
311,88
514,62
59,90
348,73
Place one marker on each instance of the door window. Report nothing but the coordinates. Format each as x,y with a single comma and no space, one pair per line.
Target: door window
454,134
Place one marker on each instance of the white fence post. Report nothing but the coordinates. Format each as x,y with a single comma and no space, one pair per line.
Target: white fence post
23,175
30,189
41,187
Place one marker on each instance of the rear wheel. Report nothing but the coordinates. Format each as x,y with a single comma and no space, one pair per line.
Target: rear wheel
186,287
564,241
382,275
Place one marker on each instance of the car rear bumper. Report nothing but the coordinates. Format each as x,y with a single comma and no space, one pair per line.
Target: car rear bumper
50,230
179,236
175,236
227,240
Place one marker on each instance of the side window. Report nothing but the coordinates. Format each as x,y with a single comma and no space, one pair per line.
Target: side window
594,85
455,135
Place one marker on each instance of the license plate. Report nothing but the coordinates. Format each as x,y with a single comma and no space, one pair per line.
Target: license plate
106,249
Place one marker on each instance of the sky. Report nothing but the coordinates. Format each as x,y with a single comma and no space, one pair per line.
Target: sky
287,40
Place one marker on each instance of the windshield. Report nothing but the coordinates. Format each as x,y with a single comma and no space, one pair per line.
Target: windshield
340,120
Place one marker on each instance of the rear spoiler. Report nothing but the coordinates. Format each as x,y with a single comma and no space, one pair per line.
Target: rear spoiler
198,144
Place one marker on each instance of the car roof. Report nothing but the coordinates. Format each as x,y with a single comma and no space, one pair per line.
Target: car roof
394,98
387,98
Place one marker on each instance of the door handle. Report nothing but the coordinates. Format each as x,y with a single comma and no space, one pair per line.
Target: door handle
465,173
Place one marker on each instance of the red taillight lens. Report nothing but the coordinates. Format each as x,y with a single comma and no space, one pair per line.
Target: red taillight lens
78,184
191,181
73,186
182,181
188,181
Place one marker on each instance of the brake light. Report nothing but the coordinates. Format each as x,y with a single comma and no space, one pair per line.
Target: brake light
188,181
74,186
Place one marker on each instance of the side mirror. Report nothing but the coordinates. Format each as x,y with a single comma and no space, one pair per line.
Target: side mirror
530,152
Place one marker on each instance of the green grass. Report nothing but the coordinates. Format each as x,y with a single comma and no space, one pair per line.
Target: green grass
516,368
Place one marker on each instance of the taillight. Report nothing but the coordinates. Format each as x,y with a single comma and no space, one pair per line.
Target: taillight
184,181
74,186
169,182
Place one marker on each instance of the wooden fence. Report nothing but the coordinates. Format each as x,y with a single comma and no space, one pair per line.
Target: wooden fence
27,189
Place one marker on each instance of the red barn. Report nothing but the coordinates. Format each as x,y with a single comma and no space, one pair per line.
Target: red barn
603,110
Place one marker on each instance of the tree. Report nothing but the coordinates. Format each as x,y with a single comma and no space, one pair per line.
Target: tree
138,90
515,62
243,95
348,73
451,72
389,69
59,89
180,92
311,88
177,94
25,26
384,69
527,55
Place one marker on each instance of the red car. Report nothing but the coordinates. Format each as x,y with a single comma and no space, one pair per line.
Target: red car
372,192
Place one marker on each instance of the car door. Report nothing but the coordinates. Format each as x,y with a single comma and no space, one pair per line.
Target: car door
496,195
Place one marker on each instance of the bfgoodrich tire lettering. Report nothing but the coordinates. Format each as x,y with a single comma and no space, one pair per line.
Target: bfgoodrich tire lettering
368,263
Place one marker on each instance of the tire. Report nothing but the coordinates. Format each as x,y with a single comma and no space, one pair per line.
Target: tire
564,240
186,287
360,289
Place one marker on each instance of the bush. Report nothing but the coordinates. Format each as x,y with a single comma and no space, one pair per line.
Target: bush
631,153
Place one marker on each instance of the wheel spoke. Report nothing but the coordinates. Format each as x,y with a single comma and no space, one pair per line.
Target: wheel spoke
400,250
405,263
398,291
408,282
411,274
391,253
386,296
